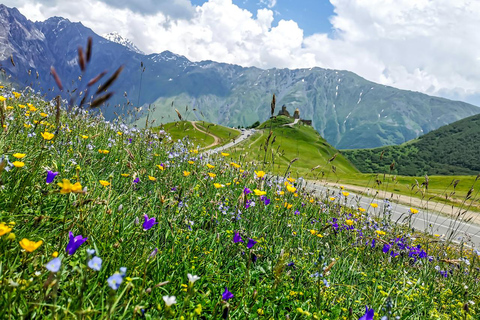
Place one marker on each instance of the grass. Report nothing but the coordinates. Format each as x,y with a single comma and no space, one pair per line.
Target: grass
286,254
181,129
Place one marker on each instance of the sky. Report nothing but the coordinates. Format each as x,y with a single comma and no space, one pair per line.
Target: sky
431,46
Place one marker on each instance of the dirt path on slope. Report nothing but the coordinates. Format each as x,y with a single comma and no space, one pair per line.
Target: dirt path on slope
416,203
216,139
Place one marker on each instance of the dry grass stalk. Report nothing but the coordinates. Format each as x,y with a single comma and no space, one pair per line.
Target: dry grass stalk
110,81
56,78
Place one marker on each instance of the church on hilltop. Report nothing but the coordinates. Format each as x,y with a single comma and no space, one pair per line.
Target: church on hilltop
296,115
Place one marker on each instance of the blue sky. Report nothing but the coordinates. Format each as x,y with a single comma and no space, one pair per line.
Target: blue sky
311,15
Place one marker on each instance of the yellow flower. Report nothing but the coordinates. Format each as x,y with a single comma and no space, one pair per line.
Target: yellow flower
209,166
68,187
312,200
9,108
291,180
313,232
2,98
374,205
218,185
342,187
345,193
26,125
47,135
119,133
17,95
212,175
235,165
413,211
55,254
260,174
191,162
288,205
259,192
11,236
43,114
194,151
320,235
4,229
125,174
361,210
332,198
260,311
30,246
198,309
349,222
225,154
18,164
19,155
103,151
32,108
152,178
160,167
104,183
84,136
380,232
186,173
22,106
291,188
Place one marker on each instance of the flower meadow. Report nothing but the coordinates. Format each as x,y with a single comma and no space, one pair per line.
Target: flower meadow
99,220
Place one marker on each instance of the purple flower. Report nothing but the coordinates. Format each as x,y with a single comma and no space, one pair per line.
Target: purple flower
153,254
115,281
95,263
54,265
247,191
74,243
393,254
369,313
373,243
227,294
148,222
296,212
237,238
265,200
137,180
251,243
51,175
386,248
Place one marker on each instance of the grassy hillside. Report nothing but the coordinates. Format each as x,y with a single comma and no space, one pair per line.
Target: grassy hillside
299,142
102,221
184,129
453,149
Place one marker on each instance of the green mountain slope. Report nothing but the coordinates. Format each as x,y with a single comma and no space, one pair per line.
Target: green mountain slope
299,142
450,150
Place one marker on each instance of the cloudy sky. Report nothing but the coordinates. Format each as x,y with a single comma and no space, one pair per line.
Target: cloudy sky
431,46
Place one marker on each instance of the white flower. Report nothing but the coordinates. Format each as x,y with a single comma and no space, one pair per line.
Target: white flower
191,278
169,300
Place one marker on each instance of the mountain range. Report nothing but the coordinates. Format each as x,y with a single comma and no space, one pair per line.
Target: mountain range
347,110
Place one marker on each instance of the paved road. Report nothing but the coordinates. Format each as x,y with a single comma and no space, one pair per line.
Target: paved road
427,221
243,136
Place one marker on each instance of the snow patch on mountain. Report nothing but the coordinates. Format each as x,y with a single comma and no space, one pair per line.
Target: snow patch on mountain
117,38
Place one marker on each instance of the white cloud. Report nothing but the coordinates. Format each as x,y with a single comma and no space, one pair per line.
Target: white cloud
269,3
422,45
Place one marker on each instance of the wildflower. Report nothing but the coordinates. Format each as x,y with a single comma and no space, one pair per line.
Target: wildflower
169,300
259,192
104,183
192,278
251,243
369,313
125,175
54,265
186,173
153,254
123,270
191,162
265,200
11,236
43,114
291,188
18,164
226,295
74,243
374,205
332,198
247,191
4,229
413,211
148,223
225,154
55,254
2,98
380,232
235,165
386,248
30,246
218,185
115,281
291,180
137,180
51,176
47,135
361,210
349,222
212,175
95,263
209,166
288,205
67,187
17,95
260,174
19,155
237,238
345,193
198,309
152,178
83,136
